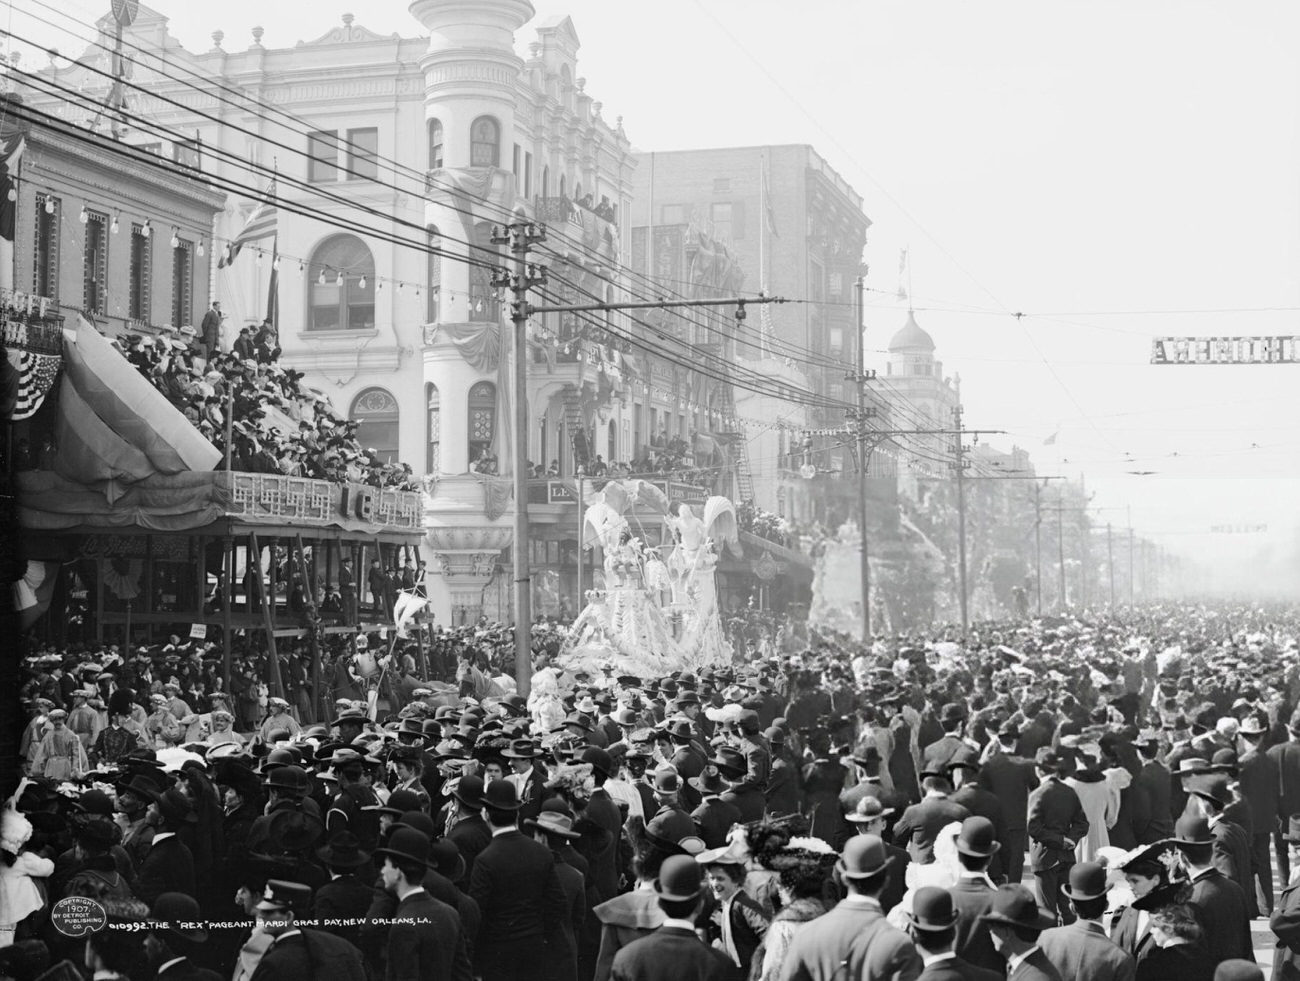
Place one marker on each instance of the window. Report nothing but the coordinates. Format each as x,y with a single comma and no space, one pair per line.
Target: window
187,153
515,162
182,283
94,291
836,338
323,148
546,182
434,274
612,450
433,408
45,272
675,214
138,299
485,142
484,306
563,187
337,298
528,175
154,148
482,419
363,153
720,219
435,144
376,411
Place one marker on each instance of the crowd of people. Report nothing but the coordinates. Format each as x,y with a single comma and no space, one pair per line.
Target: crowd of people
1088,798
279,424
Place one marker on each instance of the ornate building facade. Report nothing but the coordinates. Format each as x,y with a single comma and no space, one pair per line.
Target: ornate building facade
393,159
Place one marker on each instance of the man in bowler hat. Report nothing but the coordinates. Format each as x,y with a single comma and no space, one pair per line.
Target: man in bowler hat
1082,951
932,925
425,939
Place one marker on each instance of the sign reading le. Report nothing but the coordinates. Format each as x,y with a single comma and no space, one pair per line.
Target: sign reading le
1225,350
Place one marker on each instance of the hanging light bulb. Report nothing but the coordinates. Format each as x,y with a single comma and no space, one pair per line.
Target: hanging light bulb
301,267
379,285
49,205
258,257
338,280
276,265
146,229
202,251
399,286
176,239
83,217
362,283
113,227
320,280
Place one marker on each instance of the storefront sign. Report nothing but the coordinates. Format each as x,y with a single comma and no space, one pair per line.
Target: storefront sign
558,493
1225,350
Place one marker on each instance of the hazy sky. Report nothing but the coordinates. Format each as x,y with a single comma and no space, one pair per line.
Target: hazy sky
1082,163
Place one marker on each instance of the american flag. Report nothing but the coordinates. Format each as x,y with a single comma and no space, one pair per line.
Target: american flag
261,224
36,374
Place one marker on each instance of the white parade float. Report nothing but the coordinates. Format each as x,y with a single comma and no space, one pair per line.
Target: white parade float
658,612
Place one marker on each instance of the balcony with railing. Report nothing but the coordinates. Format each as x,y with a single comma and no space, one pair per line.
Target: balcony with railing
594,225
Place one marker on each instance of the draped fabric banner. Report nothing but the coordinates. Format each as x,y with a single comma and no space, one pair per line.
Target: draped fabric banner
126,402
48,501
89,451
497,493
36,374
479,344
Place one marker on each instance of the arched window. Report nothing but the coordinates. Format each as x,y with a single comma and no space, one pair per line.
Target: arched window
435,144
341,285
482,419
433,408
562,186
376,411
484,307
577,190
546,182
485,142
433,274
612,451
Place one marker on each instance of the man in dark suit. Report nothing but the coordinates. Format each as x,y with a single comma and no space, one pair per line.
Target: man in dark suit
346,896
1209,797
673,952
932,925
1154,778
853,939
425,939
1219,903
1056,823
600,826
869,784
1285,921
783,794
1259,782
168,865
921,823
939,753
964,772
1287,757
715,816
465,824
1015,923
554,829
973,892
869,818
518,892
296,952
175,934
1082,951
1011,779
527,776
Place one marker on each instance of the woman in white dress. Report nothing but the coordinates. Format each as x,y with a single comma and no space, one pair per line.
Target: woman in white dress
1098,792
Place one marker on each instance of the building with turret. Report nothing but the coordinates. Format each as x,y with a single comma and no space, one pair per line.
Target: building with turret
386,162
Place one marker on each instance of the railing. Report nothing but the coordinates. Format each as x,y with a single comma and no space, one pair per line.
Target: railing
274,497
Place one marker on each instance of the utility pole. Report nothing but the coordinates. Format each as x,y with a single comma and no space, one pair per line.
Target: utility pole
1130,556
1110,562
520,236
1038,543
1060,550
960,450
860,419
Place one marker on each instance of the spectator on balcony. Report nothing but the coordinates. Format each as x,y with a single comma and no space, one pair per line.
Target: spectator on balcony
554,469
598,467
210,331
267,343
243,348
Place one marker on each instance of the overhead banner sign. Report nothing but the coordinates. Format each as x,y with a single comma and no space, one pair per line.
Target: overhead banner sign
1225,350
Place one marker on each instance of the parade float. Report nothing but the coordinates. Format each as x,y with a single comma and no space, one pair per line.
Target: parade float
658,611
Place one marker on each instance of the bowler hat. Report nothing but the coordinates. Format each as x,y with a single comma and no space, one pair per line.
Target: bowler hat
680,879
175,806
729,761
178,913
406,845
1048,759
675,832
1014,905
575,719
932,910
521,749
1215,789
679,728
978,837
1087,881
445,857
667,781
469,791
1238,969
774,735
281,895
399,802
599,759
951,712
343,852
863,857
1192,829
501,795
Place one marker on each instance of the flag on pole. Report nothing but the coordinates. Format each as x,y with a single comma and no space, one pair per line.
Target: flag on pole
769,216
1051,440
902,261
11,151
273,290
261,224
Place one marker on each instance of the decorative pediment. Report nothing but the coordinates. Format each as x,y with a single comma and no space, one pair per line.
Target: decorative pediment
560,25
348,33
